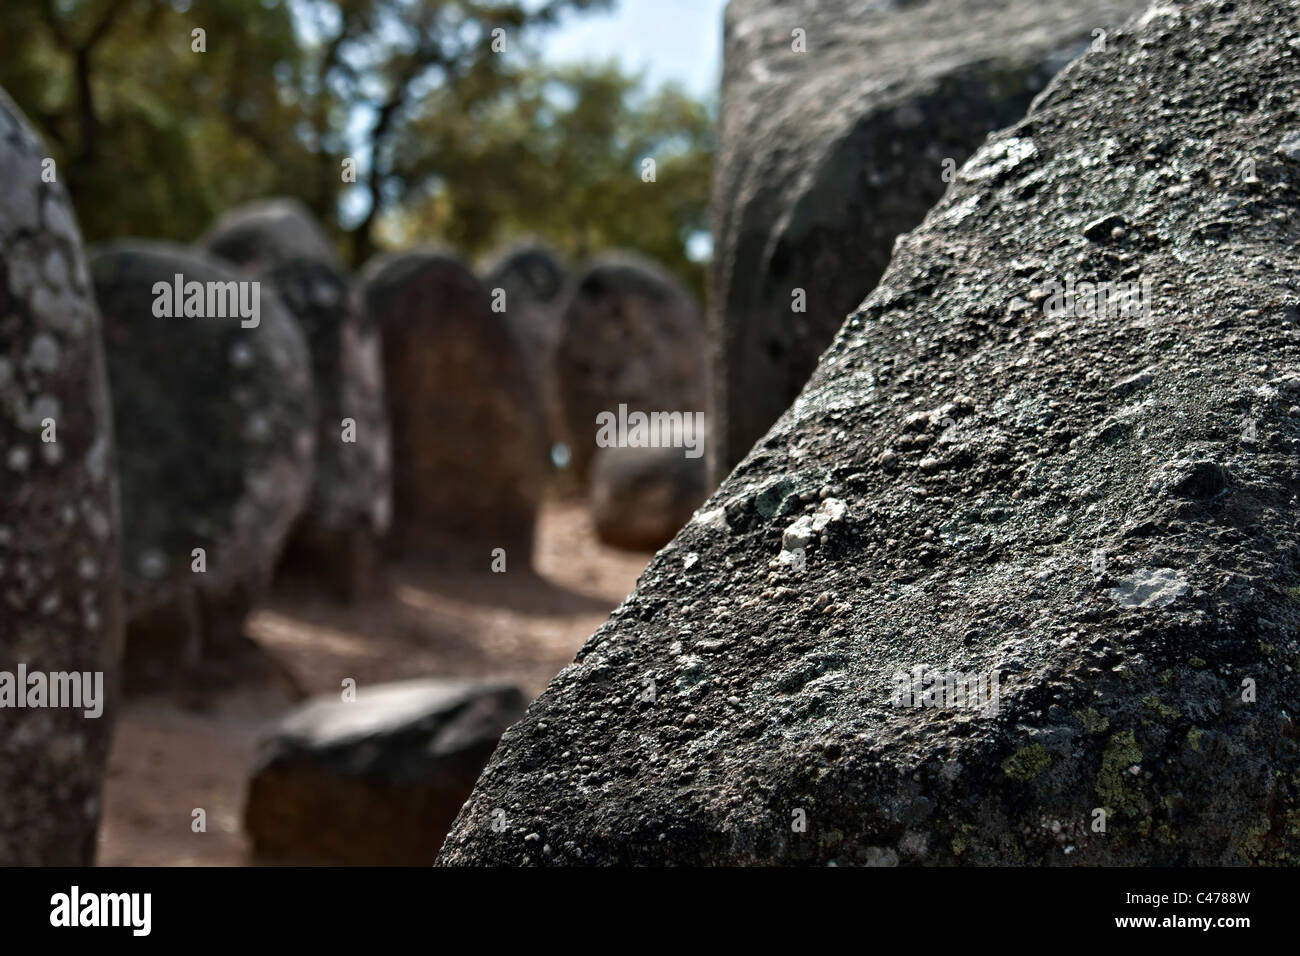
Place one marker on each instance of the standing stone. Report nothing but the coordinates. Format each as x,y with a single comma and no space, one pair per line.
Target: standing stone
266,232
336,541
530,278
839,120
1096,505
468,433
60,603
374,781
632,335
338,537
215,427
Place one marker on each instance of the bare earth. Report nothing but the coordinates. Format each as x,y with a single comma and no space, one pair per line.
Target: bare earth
173,755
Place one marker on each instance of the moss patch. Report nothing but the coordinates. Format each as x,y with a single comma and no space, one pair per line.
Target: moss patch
1093,722
1121,753
1027,762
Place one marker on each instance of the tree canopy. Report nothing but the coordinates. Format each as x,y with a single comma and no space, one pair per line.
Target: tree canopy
407,119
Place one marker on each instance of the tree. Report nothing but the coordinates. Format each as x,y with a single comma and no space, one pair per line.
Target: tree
439,105
561,157
386,60
150,137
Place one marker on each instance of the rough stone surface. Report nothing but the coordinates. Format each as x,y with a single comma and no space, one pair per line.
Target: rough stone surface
826,156
632,335
468,434
378,780
216,429
998,490
60,603
533,278
641,497
337,539
266,232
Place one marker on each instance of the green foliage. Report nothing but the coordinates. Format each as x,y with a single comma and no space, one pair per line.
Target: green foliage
561,158
451,139
150,137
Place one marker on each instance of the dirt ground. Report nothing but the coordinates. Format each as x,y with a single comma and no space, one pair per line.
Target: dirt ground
176,754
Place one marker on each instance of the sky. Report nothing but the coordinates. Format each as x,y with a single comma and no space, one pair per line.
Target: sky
671,39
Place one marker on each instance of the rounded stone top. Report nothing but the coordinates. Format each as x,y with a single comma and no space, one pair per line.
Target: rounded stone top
534,265
267,232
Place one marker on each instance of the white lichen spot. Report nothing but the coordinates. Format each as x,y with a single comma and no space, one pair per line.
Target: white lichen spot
997,158
241,355
97,521
97,459
1148,587
22,271
880,856
1157,12
828,512
715,518
1290,146
43,353
260,486
57,219
257,428
152,563
56,268
798,535
324,293
43,407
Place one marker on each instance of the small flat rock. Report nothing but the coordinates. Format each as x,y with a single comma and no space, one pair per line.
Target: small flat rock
375,781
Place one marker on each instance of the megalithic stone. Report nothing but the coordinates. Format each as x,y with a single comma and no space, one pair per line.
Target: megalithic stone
633,335
60,598
529,280
1017,578
336,540
216,416
339,535
841,123
263,233
467,423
